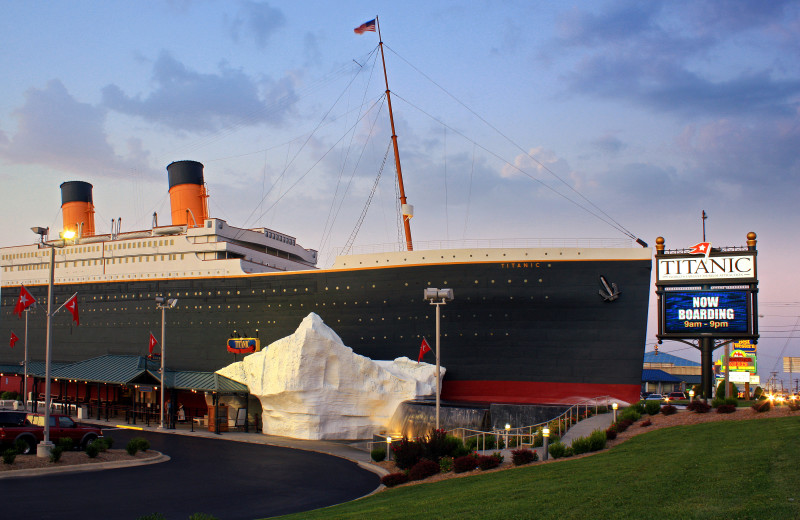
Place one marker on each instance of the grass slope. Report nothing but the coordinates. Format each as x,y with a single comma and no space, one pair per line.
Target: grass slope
722,470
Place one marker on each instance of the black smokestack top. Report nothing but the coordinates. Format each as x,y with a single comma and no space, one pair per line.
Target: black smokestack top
185,172
76,191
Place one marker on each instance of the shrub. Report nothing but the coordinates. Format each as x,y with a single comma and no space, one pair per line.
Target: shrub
446,464
92,449
378,454
523,456
143,443
726,408
597,440
423,469
758,393
623,425
611,433
631,414
460,452
557,450
646,423
406,453
152,516
489,461
66,443
636,407
202,516
9,455
580,445
55,453
394,479
100,444
132,447
717,401
732,400
698,406
438,444
108,441
652,407
463,464
668,409
762,406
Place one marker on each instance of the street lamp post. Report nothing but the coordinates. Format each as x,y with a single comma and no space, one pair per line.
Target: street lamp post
163,304
546,442
614,407
44,448
438,297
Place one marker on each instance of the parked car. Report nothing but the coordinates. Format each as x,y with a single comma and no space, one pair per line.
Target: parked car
12,418
676,395
61,426
654,397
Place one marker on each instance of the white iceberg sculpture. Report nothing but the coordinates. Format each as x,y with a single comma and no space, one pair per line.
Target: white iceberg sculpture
312,386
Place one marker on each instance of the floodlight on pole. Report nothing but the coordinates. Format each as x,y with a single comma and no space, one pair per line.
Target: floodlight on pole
438,297
44,448
163,304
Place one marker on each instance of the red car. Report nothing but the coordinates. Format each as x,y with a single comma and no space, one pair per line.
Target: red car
61,426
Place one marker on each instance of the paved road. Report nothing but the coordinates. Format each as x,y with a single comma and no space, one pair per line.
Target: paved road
230,480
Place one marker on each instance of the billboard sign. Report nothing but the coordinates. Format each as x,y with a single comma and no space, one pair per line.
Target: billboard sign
791,364
740,267
696,312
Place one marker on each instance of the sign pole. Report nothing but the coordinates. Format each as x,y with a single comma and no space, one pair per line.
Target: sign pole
727,369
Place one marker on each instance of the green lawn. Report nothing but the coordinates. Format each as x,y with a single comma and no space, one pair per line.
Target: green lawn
724,470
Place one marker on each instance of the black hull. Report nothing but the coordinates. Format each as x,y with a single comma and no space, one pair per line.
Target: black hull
540,323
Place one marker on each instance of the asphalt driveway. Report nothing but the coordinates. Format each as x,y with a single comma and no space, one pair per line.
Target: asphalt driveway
229,480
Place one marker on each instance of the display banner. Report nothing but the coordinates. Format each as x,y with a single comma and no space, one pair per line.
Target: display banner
697,268
691,312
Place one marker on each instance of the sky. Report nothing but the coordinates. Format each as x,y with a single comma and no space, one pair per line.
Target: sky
515,120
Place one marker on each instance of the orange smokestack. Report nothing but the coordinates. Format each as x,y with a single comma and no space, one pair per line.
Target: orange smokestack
187,193
77,209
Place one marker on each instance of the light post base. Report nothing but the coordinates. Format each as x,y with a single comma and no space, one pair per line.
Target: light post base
43,449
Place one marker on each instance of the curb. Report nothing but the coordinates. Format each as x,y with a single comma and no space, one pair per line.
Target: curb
79,468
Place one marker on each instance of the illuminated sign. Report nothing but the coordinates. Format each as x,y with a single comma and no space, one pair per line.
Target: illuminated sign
699,268
244,345
692,312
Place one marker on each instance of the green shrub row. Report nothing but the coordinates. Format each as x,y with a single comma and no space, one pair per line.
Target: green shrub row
137,444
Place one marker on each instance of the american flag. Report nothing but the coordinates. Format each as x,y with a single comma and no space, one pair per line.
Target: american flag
364,27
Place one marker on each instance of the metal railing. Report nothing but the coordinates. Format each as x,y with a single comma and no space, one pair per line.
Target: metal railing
561,423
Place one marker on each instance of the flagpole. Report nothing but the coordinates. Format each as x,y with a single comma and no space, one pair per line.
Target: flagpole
406,218
25,364
44,448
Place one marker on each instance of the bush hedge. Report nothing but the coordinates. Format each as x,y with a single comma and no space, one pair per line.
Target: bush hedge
523,456
726,408
652,407
423,469
55,453
9,455
378,454
762,406
557,450
668,409
446,464
489,461
698,406
597,440
394,479
465,463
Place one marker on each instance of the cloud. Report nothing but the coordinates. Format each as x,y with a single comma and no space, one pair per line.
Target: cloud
256,19
187,100
56,130
684,57
608,144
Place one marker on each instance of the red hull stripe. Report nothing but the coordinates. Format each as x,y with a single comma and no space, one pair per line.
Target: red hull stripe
534,392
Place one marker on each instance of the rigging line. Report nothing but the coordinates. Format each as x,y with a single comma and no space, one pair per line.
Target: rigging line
355,166
319,124
312,166
446,207
620,226
272,107
469,193
326,230
293,139
544,184
349,244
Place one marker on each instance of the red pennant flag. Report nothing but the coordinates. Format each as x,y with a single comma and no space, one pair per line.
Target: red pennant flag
423,349
703,248
25,300
364,27
72,306
14,339
153,343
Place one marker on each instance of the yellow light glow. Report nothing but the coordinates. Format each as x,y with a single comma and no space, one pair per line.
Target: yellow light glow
68,234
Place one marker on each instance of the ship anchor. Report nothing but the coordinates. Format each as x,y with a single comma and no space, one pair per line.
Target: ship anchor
611,293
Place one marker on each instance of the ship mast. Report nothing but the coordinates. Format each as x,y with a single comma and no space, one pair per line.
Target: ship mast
405,208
